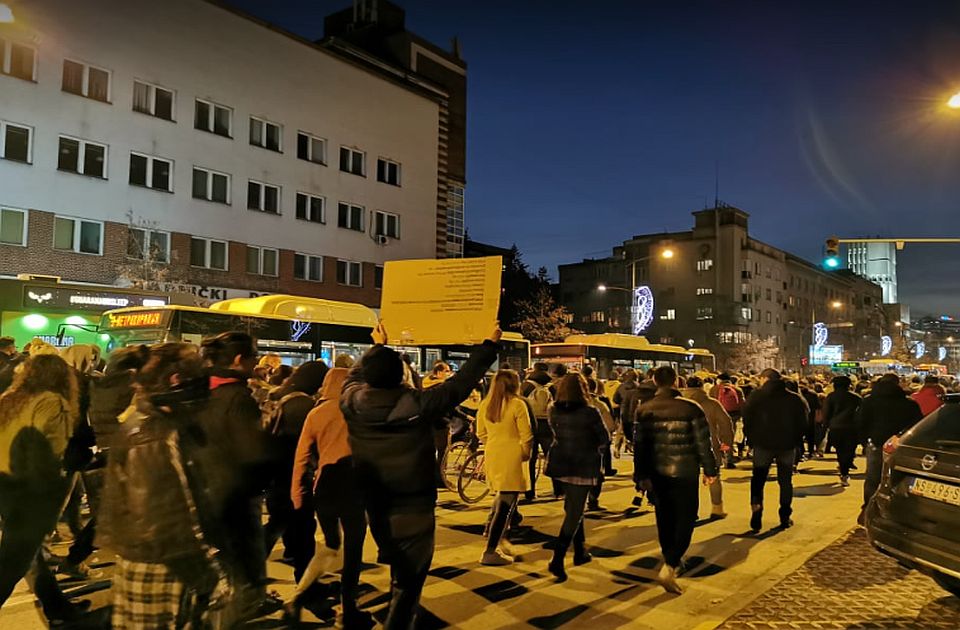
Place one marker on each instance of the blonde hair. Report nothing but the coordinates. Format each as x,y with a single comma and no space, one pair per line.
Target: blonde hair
506,386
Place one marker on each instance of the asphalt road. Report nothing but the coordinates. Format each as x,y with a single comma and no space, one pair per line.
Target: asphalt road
732,576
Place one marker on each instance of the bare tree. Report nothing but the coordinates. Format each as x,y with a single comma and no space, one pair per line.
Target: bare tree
147,265
542,320
756,354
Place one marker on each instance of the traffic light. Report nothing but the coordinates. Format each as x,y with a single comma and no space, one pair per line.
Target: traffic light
831,257
804,361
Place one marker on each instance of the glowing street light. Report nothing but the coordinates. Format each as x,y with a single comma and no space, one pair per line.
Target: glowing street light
954,102
601,287
667,253
836,304
6,14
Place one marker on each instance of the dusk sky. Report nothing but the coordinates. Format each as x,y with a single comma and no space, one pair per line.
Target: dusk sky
590,122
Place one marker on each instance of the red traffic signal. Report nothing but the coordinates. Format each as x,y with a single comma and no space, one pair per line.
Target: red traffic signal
804,361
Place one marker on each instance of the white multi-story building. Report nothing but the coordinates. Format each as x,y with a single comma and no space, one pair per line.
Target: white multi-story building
236,154
876,262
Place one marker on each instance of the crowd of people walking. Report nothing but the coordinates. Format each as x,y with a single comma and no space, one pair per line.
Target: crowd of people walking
178,450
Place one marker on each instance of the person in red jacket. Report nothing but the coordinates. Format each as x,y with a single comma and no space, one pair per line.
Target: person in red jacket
930,396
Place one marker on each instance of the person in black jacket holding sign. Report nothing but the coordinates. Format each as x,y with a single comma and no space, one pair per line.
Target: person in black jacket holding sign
391,437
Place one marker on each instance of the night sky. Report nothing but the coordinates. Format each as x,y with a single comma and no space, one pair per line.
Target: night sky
590,122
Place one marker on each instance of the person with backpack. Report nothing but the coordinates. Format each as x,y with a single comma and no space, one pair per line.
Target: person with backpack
628,398
536,390
731,398
295,398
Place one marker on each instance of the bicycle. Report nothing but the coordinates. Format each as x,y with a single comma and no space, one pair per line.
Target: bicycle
472,483
456,454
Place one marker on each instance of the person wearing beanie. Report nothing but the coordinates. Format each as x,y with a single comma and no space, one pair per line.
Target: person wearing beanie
391,438
297,526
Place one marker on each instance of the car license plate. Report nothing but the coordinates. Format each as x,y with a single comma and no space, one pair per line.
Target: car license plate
935,490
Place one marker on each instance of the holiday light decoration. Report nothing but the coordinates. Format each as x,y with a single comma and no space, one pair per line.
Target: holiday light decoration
920,349
298,329
941,353
886,345
642,309
820,334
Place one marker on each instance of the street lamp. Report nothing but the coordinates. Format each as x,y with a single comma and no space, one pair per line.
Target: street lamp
6,14
836,304
954,102
667,253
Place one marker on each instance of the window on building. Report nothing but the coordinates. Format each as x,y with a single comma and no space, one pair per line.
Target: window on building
598,317
705,264
151,172
705,291
77,235
387,224
208,253
349,273
85,80
378,277
670,313
353,161
704,312
16,142
311,148
263,197
209,116
82,157
388,172
311,208
13,226
261,260
211,185
350,216
307,267
746,313
455,226
769,295
769,316
152,100
266,135
758,315
144,244
18,60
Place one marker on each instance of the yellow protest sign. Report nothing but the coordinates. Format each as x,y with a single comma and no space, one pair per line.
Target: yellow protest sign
446,301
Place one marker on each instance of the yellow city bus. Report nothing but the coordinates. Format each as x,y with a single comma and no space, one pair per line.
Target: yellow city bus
297,328
607,352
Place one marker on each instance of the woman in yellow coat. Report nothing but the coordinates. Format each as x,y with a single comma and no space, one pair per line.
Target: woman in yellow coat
503,425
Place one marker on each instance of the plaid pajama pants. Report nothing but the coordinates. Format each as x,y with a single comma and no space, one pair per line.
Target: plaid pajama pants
146,595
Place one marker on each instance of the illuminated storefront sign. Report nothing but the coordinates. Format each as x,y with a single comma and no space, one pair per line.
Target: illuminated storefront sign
826,355
25,327
36,296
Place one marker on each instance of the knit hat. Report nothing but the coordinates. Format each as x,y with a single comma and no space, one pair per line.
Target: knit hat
308,377
382,368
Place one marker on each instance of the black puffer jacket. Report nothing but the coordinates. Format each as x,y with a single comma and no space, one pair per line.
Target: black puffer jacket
886,412
579,435
672,438
391,432
150,510
840,410
775,418
109,397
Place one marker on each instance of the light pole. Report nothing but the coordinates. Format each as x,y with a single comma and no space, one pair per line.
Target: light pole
666,253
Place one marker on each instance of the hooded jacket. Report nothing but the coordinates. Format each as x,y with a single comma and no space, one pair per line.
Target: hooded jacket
109,397
886,412
47,412
579,435
840,410
672,438
930,398
719,421
775,418
324,439
391,431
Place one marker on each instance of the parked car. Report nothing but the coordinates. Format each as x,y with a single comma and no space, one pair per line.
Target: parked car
915,515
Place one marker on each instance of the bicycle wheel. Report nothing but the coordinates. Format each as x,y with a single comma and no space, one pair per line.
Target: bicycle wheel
472,482
453,460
